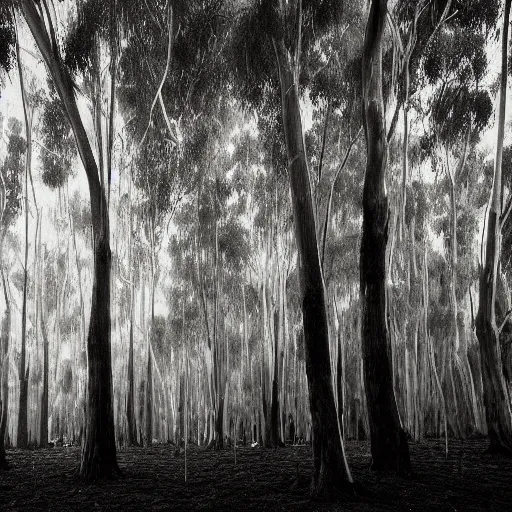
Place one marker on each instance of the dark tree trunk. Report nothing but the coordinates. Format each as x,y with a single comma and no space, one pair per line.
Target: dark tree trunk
339,380
496,392
130,402
331,474
219,420
22,435
44,397
265,429
496,395
23,372
180,430
388,441
99,458
99,449
274,407
148,438
3,458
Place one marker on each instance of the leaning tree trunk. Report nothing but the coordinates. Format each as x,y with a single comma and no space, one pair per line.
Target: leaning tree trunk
99,458
331,472
388,441
23,372
496,393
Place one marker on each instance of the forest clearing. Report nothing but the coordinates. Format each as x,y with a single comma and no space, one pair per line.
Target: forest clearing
468,480
255,253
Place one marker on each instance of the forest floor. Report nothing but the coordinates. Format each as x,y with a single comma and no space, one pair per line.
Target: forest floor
262,480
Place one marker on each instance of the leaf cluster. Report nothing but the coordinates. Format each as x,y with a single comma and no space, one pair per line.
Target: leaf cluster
59,143
12,171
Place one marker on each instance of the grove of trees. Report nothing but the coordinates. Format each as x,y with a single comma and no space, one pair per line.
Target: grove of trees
255,221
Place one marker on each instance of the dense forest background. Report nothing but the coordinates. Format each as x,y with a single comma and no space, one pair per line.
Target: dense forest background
227,222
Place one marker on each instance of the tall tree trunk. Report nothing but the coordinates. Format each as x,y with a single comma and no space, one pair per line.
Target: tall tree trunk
388,441
83,331
217,359
43,443
496,393
274,406
340,379
4,368
22,435
149,387
331,472
99,459
130,401
148,399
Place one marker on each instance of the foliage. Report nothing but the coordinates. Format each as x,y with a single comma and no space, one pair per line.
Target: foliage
7,37
12,171
59,144
233,245
260,22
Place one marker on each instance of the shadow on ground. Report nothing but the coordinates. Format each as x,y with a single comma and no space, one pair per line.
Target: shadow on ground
262,480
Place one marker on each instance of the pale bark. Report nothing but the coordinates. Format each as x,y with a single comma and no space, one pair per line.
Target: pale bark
496,393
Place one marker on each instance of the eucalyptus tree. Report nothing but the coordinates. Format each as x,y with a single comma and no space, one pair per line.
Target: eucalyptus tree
461,108
28,111
334,147
58,150
99,452
271,41
158,176
388,440
496,392
212,246
127,206
11,172
270,269
177,115
31,97
9,205
415,37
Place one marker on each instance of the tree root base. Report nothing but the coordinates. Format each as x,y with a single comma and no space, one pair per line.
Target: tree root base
97,474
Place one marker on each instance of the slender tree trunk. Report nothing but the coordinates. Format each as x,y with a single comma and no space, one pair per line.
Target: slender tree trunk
44,396
274,406
496,393
217,359
99,459
4,369
331,472
148,403
23,372
388,441
340,378
130,402
149,387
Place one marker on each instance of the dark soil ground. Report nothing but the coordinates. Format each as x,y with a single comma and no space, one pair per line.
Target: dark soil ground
262,480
